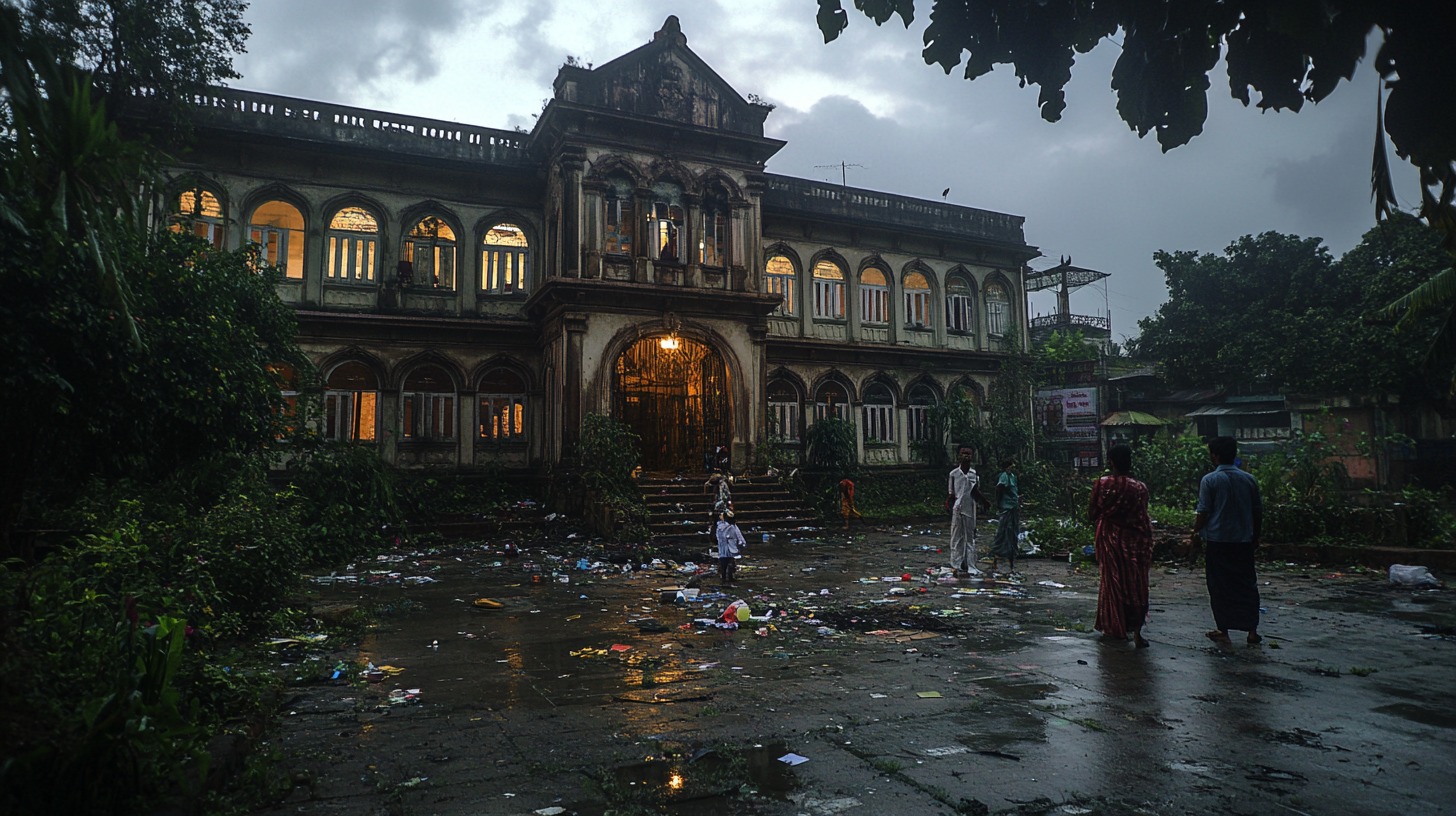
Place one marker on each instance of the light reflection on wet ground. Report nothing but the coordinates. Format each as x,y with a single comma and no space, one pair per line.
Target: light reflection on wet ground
1031,705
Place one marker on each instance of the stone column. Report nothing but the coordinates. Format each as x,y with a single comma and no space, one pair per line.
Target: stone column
574,326
573,161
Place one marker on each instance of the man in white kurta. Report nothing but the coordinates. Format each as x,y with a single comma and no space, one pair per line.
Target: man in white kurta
962,497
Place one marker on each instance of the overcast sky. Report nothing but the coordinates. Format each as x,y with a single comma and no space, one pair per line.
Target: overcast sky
1088,187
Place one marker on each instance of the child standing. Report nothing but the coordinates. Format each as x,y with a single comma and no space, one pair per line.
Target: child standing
1008,523
730,543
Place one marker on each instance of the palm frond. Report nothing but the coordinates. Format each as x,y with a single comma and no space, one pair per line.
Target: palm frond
1435,295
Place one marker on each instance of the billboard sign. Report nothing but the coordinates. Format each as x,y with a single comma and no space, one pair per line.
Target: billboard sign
1067,413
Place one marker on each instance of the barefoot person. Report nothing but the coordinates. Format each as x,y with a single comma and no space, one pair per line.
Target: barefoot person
1229,519
1124,543
962,498
730,546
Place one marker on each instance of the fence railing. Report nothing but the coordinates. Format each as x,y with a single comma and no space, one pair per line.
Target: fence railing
831,199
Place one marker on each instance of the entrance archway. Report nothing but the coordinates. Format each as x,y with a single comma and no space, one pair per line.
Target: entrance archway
673,391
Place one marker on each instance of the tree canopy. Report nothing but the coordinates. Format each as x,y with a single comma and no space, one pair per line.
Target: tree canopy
1287,51
1278,312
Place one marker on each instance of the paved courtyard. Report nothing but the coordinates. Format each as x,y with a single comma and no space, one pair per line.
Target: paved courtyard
904,697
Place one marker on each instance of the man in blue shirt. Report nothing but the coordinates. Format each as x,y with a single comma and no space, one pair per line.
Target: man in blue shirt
1229,519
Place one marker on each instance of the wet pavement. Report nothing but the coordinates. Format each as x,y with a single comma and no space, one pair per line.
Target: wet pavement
906,697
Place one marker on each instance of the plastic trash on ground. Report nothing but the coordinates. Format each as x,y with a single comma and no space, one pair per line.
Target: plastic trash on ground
1411,576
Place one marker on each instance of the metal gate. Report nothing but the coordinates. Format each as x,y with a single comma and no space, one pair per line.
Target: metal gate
673,392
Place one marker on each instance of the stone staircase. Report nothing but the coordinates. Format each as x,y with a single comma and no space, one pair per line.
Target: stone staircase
681,508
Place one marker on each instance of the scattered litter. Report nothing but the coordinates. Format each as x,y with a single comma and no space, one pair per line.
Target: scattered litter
486,603
554,810
621,647
950,750
925,695
1404,575
1052,584
793,759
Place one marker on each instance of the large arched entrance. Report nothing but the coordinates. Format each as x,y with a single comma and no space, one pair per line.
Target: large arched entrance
673,391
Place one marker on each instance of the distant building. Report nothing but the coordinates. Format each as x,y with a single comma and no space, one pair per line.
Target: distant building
469,295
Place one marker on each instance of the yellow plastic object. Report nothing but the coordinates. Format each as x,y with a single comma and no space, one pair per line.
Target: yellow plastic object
486,603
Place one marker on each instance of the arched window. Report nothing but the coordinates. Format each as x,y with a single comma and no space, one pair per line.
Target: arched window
277,228
780,279
828,291
353,243
428,405
879,414
713,232
831,401
200,213
783,411
920,401
429,255
917,300
874,296
665,224
619,216
960,306
502,407
998,309
505,260
351,403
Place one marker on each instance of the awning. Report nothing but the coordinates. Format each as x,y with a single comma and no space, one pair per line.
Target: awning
1132,418
1247,409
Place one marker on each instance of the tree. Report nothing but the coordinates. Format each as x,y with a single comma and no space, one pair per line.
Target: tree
162,49
1277,312
128,353
1066,347
1288,51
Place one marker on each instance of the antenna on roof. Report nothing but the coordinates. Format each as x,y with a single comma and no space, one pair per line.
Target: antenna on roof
843,171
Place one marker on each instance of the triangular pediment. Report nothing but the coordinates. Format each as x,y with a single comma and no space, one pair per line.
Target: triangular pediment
663,79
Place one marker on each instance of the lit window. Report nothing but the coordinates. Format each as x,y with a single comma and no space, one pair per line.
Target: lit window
874,296
960,306
780,279
831,401
920,402
353,241
998,310
200,213
713,235
277,228
351,402
429,255
665,224
917,301
879,415
502,407
428,405
505,260
783,411
828,291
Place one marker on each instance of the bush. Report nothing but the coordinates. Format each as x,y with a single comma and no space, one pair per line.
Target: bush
832,445
1058,534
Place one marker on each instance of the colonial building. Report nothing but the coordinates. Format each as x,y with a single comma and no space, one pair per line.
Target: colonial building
469,295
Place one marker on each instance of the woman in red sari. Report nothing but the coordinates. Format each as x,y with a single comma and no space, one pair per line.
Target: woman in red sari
1124,549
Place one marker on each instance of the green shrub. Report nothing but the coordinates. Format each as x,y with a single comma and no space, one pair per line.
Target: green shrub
1055,534
1178,518
832,446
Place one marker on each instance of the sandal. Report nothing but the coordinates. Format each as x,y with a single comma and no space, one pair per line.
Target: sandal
1218,636
1254,639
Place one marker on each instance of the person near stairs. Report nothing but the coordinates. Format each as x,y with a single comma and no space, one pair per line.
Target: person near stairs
721,485
846,501
730,544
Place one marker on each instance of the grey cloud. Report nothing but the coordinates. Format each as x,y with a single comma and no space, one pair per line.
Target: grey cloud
340,51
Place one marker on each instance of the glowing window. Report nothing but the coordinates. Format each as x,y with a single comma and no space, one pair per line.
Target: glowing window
502,416
505,260
351,404
781,279
917,300
874,296
429,255
353,242
277,228
828,291
200,213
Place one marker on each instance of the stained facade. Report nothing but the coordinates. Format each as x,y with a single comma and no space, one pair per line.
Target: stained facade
469,295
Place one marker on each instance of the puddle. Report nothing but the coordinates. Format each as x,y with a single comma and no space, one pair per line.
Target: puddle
1419,714
705,780
1011,689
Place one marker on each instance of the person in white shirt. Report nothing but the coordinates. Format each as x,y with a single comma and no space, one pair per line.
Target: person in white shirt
963,496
